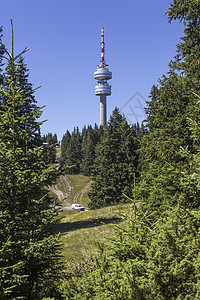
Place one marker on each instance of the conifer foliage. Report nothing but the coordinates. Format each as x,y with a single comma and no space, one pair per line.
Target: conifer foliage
50,142
78,149
1,52
115,163
28,251
171,103
147,260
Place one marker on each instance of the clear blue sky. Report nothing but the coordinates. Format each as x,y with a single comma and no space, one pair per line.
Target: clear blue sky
64,41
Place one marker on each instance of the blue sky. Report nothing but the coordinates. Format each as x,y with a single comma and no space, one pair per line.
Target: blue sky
64,41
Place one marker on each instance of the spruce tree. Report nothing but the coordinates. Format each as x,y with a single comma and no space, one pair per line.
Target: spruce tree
1,52
90,139
115,163
87,148
171,103
73,155
64,144
22,76
28,250
49,147
55,139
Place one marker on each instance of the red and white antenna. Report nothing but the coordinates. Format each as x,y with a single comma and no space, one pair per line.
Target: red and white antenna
102,44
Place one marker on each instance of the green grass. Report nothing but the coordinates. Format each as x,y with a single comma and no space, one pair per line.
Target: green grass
58,152
62,185
81,231
80,189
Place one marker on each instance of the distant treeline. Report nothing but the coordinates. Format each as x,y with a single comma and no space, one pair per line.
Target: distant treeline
79,148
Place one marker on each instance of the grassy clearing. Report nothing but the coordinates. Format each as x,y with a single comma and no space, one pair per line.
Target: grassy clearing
58,152
81,231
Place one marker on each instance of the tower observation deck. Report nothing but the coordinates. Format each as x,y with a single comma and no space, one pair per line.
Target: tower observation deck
102,88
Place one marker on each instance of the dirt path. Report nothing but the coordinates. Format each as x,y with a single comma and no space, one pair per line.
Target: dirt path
62,197
66,181
65,185
54,189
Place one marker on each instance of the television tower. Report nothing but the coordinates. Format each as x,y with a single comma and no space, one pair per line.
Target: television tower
102,89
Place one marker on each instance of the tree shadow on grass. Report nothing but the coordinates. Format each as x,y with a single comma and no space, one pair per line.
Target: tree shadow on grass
71,226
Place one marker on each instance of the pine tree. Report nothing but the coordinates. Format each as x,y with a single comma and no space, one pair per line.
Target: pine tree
88,153
49,147
98,134
28,250
1,53
115,163
55,139
90,139
22,76
172,102
170,106
73,155
64,144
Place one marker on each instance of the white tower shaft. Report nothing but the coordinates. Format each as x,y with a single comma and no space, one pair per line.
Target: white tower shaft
103,113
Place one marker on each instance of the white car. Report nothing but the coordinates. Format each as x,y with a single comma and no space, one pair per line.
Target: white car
78,207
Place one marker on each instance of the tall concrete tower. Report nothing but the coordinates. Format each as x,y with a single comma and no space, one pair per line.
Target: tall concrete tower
102,88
